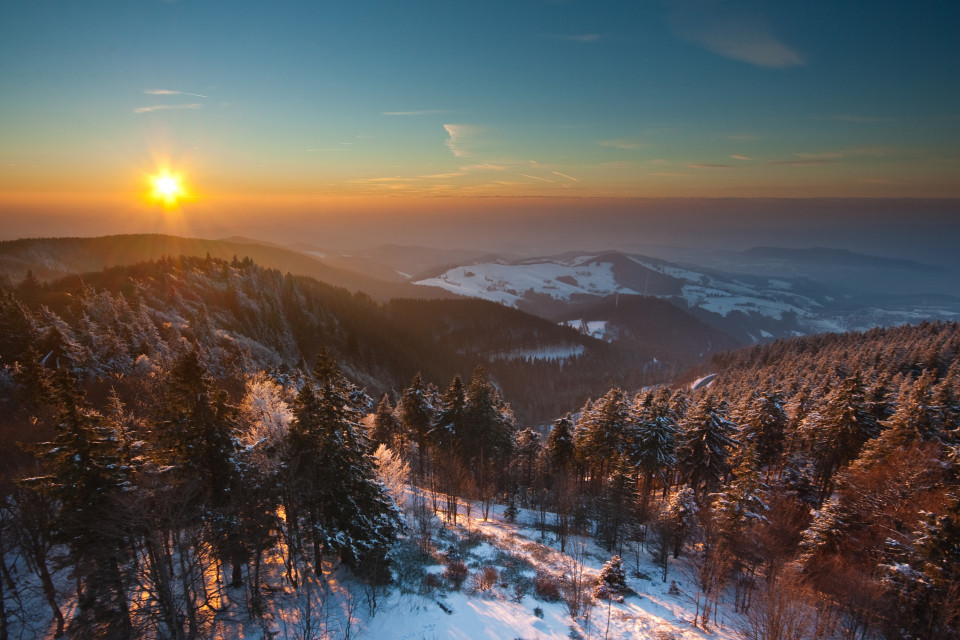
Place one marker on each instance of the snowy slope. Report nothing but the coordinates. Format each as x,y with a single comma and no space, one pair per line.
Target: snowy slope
752,307
508,283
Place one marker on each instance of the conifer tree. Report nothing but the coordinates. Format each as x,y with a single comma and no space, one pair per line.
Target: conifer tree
487,422
416,416
705,444
923,578
333,474
763,426
838,429
84,477
560,445
605,429
448,424
655,443
386,429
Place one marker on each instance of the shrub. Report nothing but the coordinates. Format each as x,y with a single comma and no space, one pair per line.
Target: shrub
546,587
455,573
432,582
485,579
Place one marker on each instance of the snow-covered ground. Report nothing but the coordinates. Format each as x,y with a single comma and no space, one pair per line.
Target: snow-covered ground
337,606
508,283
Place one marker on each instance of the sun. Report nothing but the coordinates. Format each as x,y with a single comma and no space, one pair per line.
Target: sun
167,188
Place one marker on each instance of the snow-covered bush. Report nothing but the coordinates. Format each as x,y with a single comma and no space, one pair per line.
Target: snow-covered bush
612,581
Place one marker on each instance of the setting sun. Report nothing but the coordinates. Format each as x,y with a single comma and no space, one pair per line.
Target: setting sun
167,188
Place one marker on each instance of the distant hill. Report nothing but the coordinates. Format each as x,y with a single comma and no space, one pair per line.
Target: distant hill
52,258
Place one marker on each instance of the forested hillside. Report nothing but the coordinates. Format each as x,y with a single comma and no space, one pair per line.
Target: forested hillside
184,438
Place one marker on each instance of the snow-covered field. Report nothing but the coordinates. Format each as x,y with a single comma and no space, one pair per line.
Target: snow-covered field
507,283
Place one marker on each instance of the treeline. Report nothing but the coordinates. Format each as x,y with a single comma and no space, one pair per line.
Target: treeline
816,482
247,318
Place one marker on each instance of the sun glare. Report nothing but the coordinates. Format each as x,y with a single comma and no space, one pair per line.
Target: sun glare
167,188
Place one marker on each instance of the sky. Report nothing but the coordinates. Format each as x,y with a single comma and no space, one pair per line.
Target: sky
307,112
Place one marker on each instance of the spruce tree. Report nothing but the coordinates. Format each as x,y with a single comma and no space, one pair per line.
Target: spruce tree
560,445
416,416
84,477
705,445
333,474
763,425
655,443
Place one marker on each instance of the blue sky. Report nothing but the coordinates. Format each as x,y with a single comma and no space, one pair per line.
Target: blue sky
523,98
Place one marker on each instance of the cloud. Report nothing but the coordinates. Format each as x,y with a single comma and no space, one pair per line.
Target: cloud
168,107
444,176
483,166
620,143
535,177
423,112
461,135
827,155
705,165
563,175
169,92
731,32
809,162
740,157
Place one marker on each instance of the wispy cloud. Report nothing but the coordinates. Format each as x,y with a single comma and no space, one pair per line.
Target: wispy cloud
483,166
729,31
621,143
737,157
563,175
461,135
170,92
422,112
168,107
444,176
825,155
535,177
808,162
705,165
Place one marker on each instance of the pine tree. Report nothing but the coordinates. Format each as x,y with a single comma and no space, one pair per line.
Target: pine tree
605,429
763,425
560,445
84,478
17,328
655,443
386,429
741,503
923,578
448,424
612,580
487,422
705,444
333,477
838,429
416,417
